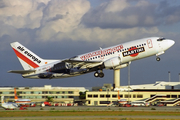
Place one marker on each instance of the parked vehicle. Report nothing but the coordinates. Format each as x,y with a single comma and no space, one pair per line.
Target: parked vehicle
139,103
47,104
160,104
127,105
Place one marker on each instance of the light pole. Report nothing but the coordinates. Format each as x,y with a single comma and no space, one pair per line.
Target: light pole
128,81
169,76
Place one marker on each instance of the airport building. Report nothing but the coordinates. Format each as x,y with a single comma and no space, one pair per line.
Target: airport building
40,94
167,93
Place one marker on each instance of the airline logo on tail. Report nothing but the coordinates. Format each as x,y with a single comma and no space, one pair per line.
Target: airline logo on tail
28,54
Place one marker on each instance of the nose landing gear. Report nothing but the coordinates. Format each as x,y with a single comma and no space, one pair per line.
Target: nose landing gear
158,58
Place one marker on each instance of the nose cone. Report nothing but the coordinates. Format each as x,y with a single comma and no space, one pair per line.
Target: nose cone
167,43
170,43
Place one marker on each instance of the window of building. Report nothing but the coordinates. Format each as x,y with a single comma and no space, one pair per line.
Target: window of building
121,95
107,96
70,96
95,96
114,96
70,92
134,96
139,96
90,96
152,95
104,102
63,92
168,96
44,92
174,96
11,97
127,96
11,93
18,96
89,102
101,96
0,92
57,92
178,96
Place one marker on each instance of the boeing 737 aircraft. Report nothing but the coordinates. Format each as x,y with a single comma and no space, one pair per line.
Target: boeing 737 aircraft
8,106
115,57
20,101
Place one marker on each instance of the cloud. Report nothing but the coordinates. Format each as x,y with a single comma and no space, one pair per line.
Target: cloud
138,14
111,22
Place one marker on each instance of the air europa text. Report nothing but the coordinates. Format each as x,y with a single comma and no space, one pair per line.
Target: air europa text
29,54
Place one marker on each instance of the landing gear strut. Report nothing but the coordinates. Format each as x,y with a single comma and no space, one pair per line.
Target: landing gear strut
97,74
158,58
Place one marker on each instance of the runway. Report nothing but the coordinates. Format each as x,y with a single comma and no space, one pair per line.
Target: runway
103,108
75,109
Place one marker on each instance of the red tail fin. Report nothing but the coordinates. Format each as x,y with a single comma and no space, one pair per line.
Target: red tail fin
118,96
15,94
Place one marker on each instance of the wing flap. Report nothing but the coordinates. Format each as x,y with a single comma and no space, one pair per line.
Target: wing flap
83,64
21,71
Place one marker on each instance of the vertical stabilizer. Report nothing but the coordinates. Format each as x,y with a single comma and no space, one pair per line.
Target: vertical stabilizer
27,58
2,99
15,94
118,96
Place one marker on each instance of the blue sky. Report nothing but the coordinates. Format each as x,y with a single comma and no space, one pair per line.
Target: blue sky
58,29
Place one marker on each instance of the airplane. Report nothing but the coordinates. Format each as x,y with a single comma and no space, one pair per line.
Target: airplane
115,57
8,106
20,101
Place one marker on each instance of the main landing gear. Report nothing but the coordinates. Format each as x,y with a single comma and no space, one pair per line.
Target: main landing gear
158,58
97,74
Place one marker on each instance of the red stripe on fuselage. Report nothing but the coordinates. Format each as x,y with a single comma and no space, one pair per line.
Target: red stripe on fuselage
25,59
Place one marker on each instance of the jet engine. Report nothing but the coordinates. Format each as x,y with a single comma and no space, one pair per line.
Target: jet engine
77,71
112,63
45,75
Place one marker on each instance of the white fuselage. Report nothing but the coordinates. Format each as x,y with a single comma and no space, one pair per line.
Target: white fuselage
126,52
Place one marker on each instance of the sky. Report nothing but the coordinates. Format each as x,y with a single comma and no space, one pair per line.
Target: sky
58,29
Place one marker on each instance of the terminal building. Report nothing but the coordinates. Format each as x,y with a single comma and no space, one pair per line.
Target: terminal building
167,93
40,94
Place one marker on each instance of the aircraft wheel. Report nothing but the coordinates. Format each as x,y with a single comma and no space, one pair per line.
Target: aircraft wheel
101,75
158,58
96,74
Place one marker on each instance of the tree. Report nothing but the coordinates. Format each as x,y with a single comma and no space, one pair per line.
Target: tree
82,95
49,99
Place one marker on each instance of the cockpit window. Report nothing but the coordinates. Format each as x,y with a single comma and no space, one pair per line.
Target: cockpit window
161,39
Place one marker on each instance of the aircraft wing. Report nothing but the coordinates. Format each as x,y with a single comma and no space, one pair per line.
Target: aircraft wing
21,71
83,64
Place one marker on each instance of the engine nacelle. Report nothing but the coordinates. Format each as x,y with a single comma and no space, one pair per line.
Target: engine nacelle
77,71
121,66
45,75
112,63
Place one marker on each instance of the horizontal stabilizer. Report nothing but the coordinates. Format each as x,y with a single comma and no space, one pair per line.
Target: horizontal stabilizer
21,71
